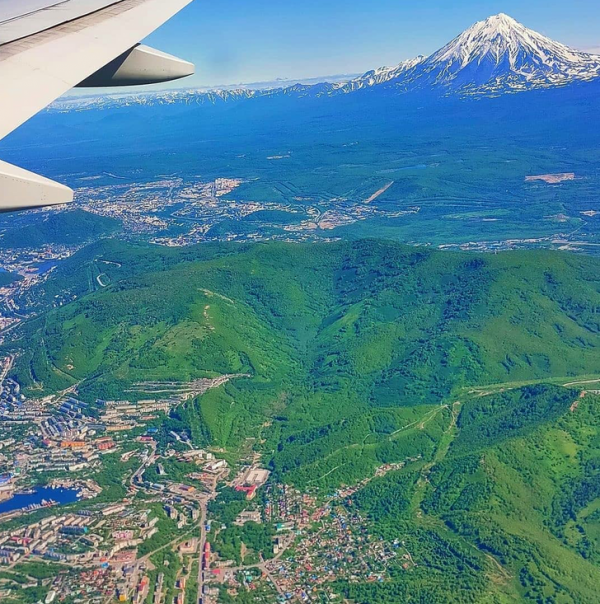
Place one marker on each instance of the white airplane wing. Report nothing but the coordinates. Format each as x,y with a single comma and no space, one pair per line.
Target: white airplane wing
48,47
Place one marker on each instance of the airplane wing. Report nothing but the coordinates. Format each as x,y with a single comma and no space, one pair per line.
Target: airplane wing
48,47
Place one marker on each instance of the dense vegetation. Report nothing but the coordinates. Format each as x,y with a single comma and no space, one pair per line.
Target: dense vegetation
228,505
361,354
507,516
254,538
380,325
490,421
65,228
8,278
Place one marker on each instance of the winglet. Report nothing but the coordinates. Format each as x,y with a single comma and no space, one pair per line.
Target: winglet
23,190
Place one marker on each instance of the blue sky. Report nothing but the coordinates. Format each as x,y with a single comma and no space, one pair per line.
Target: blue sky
242,41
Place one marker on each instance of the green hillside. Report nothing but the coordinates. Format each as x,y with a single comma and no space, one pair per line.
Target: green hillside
508,509
361,354
324,330
8,278
64,228
394,326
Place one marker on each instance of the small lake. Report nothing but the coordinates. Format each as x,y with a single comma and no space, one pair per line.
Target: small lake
19,502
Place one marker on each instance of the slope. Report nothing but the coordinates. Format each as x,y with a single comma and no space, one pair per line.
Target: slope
507,511
325,330
362,354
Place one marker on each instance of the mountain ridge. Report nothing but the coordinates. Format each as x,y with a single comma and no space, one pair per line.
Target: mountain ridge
492,57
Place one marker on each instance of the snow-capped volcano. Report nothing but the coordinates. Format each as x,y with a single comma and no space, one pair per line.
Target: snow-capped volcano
500,51
500,41
492,57
495,55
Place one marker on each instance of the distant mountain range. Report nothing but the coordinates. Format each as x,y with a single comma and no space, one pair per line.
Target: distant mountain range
493,57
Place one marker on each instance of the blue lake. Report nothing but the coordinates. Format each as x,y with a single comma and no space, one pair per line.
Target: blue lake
19,502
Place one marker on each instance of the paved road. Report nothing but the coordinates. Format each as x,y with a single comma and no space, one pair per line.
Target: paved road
201,547
140,471
203,515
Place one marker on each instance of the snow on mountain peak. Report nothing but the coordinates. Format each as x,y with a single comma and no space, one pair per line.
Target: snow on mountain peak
501,19
382,75
496,55
500,47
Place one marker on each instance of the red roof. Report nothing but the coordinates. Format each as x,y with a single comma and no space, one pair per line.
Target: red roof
250,491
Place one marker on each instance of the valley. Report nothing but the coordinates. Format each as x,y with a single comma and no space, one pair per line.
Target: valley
471,190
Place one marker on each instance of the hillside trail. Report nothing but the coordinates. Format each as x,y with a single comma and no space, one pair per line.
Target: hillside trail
440,454
501,574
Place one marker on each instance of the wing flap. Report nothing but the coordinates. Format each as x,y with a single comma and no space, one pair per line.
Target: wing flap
22,18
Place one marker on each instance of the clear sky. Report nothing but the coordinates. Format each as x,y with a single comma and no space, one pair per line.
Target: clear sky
242,41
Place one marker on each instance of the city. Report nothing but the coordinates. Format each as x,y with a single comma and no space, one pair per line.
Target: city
142,520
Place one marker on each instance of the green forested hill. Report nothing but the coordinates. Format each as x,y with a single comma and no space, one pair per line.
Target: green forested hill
506,513
324,330
64,228
393,326
362,354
